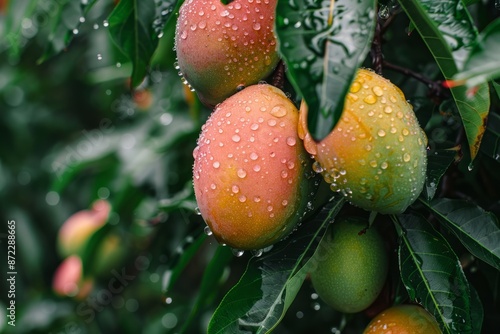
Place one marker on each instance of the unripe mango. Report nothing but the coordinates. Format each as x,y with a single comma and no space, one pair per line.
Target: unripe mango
249,169
376,153
350,265
402,319
221,48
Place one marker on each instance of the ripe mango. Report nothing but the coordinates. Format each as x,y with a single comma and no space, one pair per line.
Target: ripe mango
402,319
222,48
376,154
249,172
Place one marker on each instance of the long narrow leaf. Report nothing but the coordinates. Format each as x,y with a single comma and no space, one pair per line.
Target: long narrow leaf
483,63
432,275
437,164
449,33
210,282
135,26
323,43
258,302
477,229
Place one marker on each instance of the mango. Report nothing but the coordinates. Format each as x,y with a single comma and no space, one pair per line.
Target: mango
350,265
222,48
402,319
376,153
249,171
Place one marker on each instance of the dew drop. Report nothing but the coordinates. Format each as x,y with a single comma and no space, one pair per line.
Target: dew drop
197,211
284,174
270,208
254,156
272,122
377,91
284,202
235,189
207,230
237,252
278,111
236,138
216,164
355,87
370,99
381,133
406,132
256,199
242,198
373,163
213,186
387,110
257,253
290,141
406,157
241,173
254,126
384,165
316,166
256,168
256,26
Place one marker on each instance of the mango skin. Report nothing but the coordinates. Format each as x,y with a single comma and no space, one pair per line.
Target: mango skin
68,279
221,48
376,154
350,265
76,231
403,319
249,169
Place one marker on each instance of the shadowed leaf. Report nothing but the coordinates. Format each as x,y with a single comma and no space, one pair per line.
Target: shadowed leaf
323,43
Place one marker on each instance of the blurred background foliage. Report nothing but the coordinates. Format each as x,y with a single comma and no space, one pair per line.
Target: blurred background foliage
73,131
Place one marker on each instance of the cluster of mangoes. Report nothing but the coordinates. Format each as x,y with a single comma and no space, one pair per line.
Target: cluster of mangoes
74,240
255,156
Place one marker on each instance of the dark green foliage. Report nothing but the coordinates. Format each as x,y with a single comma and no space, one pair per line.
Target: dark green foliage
92,107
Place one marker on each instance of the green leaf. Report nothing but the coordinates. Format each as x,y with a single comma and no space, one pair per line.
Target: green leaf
491,141
483,63
65,19
477,229
496,86
432,275
437,164
19,11
171,276
258,302
131,28
210,282
449,33
477,311
323,44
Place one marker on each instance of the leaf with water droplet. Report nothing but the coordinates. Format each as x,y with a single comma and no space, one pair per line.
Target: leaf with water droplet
64,26
260,299
211,281
323,52
491,141
437,164
483,63
449,33
134,26
432,274
180,261
477,229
